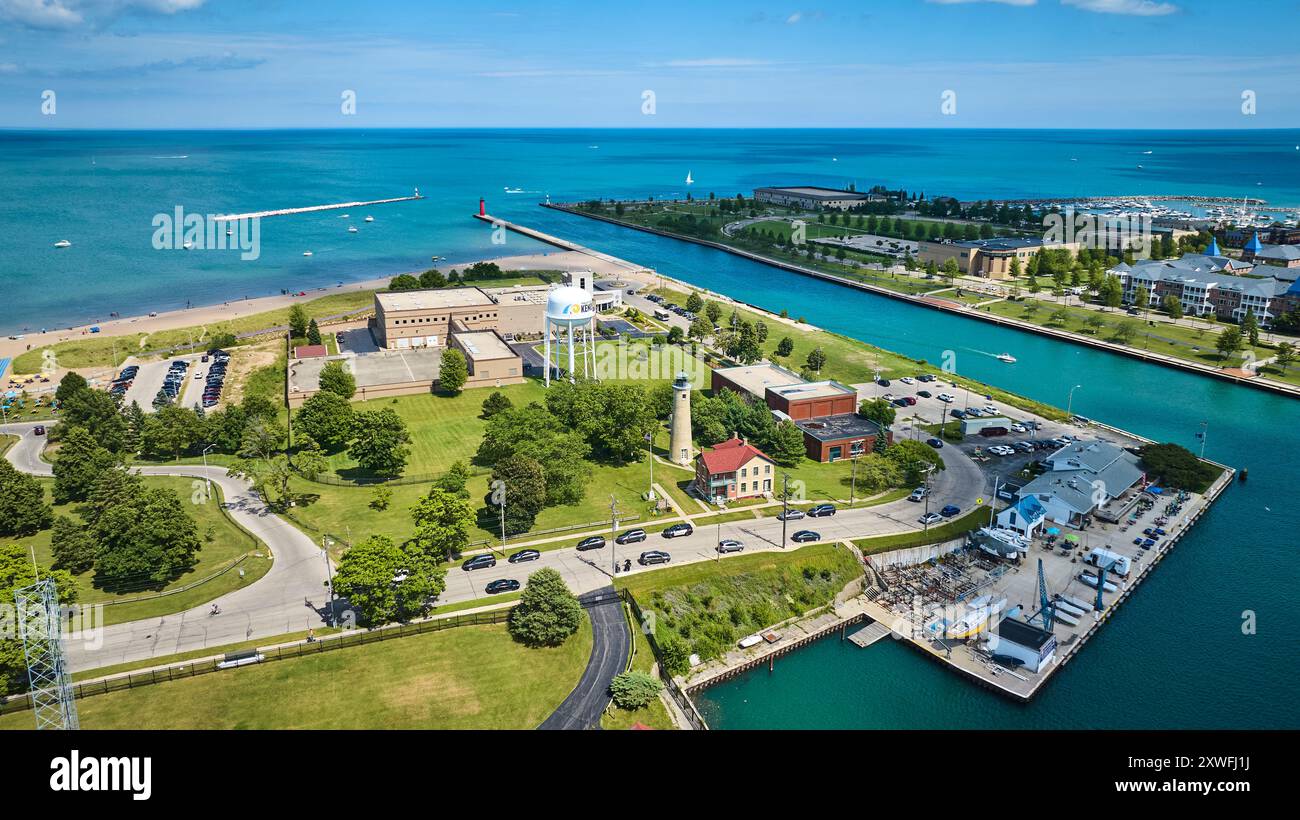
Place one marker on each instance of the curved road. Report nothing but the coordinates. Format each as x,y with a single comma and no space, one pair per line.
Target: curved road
292,596
611,645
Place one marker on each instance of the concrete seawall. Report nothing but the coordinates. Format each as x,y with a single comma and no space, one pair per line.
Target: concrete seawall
1270,385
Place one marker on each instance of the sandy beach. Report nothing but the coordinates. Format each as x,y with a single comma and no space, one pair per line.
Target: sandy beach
209,314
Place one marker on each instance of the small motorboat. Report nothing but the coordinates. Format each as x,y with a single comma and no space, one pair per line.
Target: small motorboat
370,219
1006,357
189,246
63,243
352,229
306,253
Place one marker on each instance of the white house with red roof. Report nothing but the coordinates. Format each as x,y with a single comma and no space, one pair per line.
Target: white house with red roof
733,470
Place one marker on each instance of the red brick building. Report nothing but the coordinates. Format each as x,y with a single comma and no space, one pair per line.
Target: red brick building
733,470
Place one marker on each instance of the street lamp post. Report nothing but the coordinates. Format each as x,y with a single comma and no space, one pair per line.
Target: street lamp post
329,573
853,482
207,480
926,516
613,532
1069,405
785,505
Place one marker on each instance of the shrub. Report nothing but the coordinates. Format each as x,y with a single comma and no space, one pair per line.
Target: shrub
548,613
632,690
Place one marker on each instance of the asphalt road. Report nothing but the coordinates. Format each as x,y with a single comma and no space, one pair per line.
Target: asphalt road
611,646
293,596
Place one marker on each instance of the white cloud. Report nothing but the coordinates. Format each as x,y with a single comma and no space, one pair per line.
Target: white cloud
793,18
71,14
717,62
1132,8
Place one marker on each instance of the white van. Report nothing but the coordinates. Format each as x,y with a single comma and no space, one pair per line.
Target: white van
1101,558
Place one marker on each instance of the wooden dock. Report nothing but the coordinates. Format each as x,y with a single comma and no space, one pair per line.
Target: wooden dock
869,634
312,208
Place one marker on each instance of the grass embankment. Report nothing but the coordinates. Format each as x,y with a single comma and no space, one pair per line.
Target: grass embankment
937,534
472,677
1160,336
710,605
223,542
106,350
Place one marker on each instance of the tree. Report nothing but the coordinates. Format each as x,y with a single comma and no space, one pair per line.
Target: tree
1286,355
313,333
97,412
335,378
1059,316
712,311
327,418
1250,327
674,655
547,614
1172,305
913,457
381,497
1125,331
16,571
949,269
535,432
383,582
760,329
675,335
433,278
786,445
454,480
1141,298
443,521
1095,322
496,403
1229,342
149,538
79,461
72,545
694,302
784,347
523,486
700,328
879,411
1176,466
745,348
379,441
404,282
23,510
72,384
171,432
298,321
308,460
817,359
635,689
453,371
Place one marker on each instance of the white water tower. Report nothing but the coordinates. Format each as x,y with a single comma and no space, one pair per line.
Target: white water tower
570,309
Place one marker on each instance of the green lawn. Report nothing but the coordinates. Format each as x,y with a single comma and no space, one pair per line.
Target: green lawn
712,604
471,677
223,542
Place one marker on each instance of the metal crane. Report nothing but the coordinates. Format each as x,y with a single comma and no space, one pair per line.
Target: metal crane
1102,572
1045,607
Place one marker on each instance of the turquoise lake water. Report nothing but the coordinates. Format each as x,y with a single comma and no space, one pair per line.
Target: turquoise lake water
1174,655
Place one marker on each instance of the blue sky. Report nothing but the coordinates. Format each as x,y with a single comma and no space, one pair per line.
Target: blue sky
803,63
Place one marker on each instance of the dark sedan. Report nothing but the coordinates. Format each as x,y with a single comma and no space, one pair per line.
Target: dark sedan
934,442
595,542
654,557
804,536
678,529
630,537
524,555
479,562
503,585
821,510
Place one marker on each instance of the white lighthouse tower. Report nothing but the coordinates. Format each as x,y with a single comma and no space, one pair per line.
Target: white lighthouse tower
569,311
679,443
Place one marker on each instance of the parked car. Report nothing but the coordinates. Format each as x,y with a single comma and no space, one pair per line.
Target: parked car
653,557
629,537
925,394
38,430
957,413
993,432
883,382
934,442
479,562
792,514
907,380
947,398
919,494
925,377
804,536
930,518
524,555
727,545
821,511
595,542
1019,428
678,530
949,510
503,585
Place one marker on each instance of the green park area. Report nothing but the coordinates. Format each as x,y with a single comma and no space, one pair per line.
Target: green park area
705,608
470,677
217,565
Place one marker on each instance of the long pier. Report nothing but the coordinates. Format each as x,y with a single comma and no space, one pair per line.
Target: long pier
313,208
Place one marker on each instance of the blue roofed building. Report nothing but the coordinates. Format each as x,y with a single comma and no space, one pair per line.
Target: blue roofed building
1024,516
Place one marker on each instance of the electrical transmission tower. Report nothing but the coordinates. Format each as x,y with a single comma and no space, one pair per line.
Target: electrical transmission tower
39,628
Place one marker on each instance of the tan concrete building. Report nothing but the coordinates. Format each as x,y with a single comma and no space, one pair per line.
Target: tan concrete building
490,359
990,258
521,309
813,197
424,318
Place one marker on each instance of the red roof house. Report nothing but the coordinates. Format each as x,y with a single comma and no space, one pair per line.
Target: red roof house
732,470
